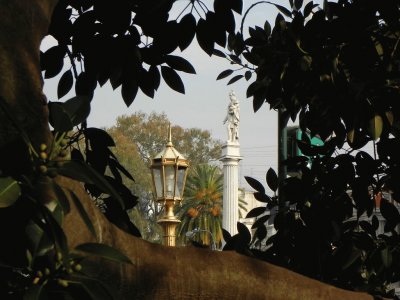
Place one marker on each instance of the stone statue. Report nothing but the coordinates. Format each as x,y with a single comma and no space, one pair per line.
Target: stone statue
232,118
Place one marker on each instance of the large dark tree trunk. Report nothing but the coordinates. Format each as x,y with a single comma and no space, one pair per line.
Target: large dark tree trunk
157,272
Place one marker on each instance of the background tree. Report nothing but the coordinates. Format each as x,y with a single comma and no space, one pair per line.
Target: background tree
202,205
141,138
148,133
104,41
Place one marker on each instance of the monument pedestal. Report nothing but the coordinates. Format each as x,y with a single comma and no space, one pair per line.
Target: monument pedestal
230,161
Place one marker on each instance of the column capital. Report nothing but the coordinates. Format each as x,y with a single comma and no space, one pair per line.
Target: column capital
231,152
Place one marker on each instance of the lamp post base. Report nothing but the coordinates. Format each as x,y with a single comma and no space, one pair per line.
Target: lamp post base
169,225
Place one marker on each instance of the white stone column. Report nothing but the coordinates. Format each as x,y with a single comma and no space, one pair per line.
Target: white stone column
230,161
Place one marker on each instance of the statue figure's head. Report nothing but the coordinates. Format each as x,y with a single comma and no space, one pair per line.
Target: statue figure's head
233,98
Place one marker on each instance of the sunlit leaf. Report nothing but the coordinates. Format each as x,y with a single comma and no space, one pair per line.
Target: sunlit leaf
390,117
376,127
9,191
350,136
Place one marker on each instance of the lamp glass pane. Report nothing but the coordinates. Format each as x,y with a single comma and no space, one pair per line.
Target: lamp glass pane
158,180
169,181
179,183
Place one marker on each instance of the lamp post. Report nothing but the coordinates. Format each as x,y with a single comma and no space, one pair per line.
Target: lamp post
169,170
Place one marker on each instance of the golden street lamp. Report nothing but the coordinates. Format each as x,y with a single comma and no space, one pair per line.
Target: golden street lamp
168,170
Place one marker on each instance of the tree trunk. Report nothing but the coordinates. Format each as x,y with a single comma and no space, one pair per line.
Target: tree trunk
157,272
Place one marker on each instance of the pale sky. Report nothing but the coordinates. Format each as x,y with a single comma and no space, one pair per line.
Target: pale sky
203,106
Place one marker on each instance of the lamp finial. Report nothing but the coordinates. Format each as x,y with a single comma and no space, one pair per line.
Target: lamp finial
169,135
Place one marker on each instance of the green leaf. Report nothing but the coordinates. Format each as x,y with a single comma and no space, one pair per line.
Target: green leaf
236,5
9,191
376,127
83,214
389,212
52,228
65,84
260,221
272,180
308,9
219,53
154,76
255,184
104,251
258,101
298,4
33,292
354,255
283,10
129,91
82,172
64,116
40,242
61,197
204,38
78,109
58,214
386,257
146,82
172,79
99,137
53,61
179,63
255,212
262,197
187,26
224,74
247,75
267,28
244,233
234,79
59,118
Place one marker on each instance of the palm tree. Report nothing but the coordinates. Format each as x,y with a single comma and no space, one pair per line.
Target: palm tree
202,205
